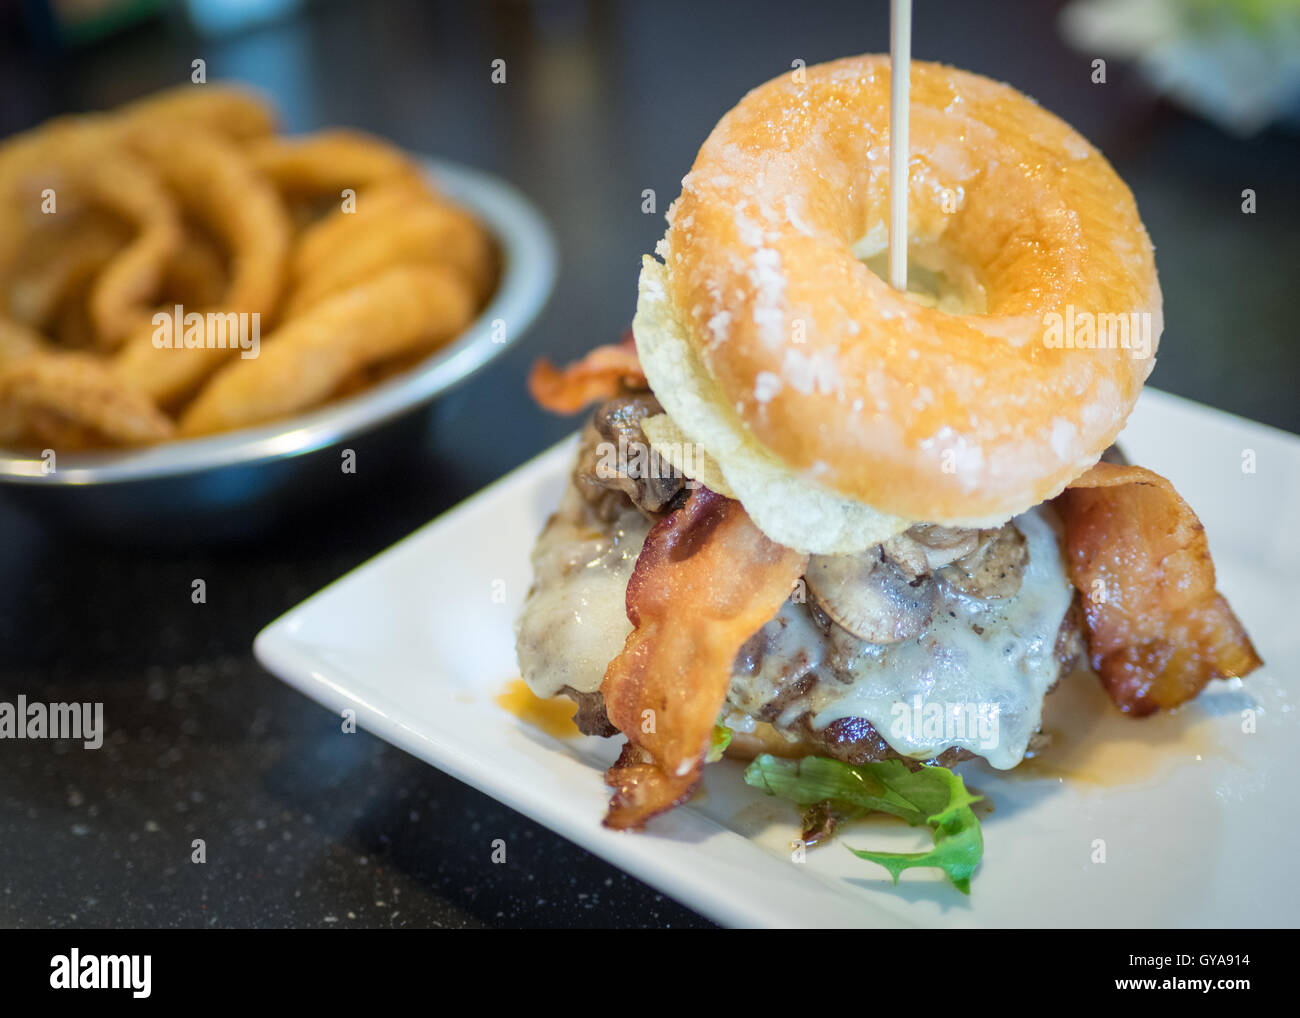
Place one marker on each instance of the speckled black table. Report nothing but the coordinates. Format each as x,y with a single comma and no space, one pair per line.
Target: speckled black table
303,828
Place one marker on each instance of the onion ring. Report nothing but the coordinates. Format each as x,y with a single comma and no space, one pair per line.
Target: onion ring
233,111
18,340
402,311
218,187
332,234
77,160
72,401
60,261
418,233
329,161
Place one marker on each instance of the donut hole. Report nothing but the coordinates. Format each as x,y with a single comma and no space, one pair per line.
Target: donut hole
936,277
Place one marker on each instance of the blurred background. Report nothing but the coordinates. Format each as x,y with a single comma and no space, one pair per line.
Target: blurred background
1194,102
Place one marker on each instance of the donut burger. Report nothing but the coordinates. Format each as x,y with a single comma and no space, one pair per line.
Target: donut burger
815,517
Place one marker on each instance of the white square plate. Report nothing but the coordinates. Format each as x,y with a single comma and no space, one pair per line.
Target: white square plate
1194,816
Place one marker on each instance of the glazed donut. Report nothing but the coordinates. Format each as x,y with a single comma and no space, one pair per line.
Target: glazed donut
770,342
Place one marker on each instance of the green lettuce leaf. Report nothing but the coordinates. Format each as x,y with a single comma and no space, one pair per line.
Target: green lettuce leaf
933,796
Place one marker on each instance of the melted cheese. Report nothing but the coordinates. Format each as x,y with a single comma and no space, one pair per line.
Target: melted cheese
978,659
995,657
574,621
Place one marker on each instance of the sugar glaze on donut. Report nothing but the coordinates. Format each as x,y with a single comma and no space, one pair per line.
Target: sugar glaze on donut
768,340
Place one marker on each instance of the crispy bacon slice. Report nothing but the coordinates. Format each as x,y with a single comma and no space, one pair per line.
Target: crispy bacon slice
707,579
1158,631
600,375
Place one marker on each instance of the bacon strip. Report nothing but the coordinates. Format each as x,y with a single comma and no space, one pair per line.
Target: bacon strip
706,580
1158,631
601,375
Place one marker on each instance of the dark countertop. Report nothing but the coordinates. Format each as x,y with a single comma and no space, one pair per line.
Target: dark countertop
601,102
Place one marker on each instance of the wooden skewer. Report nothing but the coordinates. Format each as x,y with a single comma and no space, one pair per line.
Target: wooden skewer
900,73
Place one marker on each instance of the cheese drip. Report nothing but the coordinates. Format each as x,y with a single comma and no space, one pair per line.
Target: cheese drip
996,657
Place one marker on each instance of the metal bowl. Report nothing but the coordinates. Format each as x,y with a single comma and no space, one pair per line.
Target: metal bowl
232,484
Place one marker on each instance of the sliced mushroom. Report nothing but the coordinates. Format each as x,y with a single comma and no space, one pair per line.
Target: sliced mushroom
928,547
908,555
944,544
871,596
994,570
647,482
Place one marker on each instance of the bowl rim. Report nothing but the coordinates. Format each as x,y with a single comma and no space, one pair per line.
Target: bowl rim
529,265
